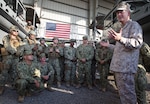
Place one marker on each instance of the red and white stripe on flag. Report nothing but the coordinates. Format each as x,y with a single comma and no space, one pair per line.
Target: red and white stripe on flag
57,30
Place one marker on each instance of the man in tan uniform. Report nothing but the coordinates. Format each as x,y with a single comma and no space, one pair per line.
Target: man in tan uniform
10,58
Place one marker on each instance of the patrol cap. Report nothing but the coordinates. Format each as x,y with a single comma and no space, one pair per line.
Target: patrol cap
28,52
14,28
85,37
61,41
27,47
42,39
55,38
72,40
42,55
104,40
123,6
32,32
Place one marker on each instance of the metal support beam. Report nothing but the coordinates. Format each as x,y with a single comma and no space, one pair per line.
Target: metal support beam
141,12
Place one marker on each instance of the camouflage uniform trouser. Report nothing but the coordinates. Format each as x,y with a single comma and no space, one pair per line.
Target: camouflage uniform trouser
4,73
140,84
126,87
84,71
103,71
24,86
8,73
70,72
54,63
11,61
3,78
51,78
62,67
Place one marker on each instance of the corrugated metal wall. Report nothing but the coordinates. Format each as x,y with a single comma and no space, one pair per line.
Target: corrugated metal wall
104,6
74,12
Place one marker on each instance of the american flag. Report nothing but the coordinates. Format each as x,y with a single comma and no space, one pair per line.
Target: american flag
57,30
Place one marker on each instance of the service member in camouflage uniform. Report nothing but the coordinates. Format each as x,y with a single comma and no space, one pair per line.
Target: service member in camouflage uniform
3,76
62,59
42,47
29,76
93,65
126,53
31,39
70,64
146,57
85,54
47,72
140,77
11,42
33,43
103,56
54,52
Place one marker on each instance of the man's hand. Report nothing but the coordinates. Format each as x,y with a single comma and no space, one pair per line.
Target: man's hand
45,77
74,60
115,35
57,50
37,84
102,61
51,50
83,60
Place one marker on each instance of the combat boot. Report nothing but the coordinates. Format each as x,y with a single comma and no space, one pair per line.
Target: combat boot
73,84
90,87
20,98
104,89
28,93
49,88
58,84
1,90
67,84
78,86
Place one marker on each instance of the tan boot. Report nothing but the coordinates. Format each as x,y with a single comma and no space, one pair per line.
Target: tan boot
49,88
1,90
73,84
28,94
90,87
67,84
104,89
58,84
20,99
78,86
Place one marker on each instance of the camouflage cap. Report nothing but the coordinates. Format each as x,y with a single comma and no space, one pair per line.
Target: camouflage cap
28,52
32,32
55,38
104,39
42,39
123,6
85,37
72,40
27,47
61,41
14,28
42,55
